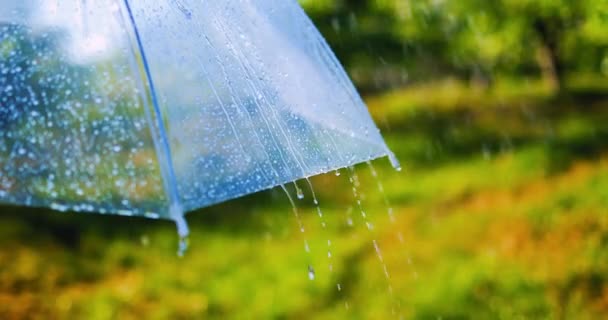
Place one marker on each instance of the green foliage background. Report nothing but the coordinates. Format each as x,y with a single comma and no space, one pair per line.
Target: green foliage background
498,112
470,39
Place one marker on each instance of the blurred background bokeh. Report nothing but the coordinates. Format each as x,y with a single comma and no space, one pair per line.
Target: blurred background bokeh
497,111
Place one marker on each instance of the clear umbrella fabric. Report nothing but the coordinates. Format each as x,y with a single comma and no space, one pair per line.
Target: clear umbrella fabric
158,107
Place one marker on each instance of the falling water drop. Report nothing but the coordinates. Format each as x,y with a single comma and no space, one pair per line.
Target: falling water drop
311,272
183,231
321,216
294,209
355,183
399,234
389,208
384,267
299,192
394,161
184,243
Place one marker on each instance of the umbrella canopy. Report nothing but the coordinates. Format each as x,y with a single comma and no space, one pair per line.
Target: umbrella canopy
157,107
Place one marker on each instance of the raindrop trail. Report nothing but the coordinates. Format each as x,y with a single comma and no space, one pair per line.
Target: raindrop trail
323,225
184,243
311,272
244,65
384,267
389,208
294,209
274,115
239,105
225,112
355,183
259,140
182,8
390,212
286,133
299,192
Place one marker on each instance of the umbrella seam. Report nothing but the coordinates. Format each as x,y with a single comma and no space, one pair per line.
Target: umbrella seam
163,150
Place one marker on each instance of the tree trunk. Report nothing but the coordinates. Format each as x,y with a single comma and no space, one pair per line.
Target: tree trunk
547,55
548,68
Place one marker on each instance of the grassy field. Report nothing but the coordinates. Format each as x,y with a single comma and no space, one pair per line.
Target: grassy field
500,212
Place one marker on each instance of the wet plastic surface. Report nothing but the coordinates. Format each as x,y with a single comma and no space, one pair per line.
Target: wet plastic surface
136,107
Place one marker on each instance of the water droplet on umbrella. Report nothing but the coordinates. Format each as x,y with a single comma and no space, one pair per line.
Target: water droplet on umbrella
187,13
59,207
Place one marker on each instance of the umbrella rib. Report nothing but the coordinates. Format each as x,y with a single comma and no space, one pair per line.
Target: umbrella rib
163,150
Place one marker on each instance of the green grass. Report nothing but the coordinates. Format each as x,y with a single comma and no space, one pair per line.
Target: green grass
500,208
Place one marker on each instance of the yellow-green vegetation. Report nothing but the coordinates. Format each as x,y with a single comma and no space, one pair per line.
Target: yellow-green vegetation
500,212
498,111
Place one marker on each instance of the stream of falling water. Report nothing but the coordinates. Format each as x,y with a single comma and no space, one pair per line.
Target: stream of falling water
315,201
391,216
300,196
296,213
389,208
390,213
355,184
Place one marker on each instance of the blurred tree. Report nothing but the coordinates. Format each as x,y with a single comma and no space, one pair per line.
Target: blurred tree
471,39
360,33
515,33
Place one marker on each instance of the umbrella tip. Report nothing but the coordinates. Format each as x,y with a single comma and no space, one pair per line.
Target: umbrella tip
183,233
177,214
182,227
394,161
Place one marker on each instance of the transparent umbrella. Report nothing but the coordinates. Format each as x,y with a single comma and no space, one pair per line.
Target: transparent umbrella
157,107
